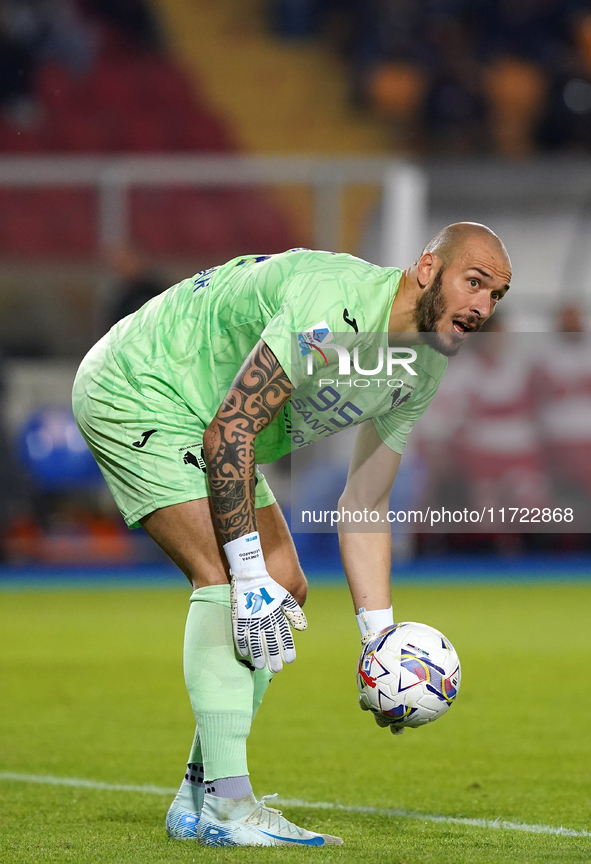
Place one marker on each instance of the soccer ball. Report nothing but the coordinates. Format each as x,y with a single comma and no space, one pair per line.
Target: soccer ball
408,675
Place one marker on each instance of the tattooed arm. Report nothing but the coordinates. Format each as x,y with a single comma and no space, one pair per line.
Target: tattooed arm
256,396
261,608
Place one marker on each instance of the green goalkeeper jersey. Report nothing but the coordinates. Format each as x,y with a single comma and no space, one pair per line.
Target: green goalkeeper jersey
324,316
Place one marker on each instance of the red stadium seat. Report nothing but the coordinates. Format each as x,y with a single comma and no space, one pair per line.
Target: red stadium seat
205,226
43,222
161,83
177,222
187,132
204,133
131,101
89,132
23,141
113,85
153,220
22,230
59,91
212,222
70,216
143,132
140,103
259,222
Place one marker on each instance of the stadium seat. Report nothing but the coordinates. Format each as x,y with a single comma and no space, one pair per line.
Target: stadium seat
24,141
131,101
162,83
142,132
205,225
153,220
22,231
59,91
90,132
204,133
46,222
70,216
113,85
207,222
259,224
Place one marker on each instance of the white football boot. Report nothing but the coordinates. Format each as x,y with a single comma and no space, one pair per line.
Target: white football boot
181,824
246,822
182,818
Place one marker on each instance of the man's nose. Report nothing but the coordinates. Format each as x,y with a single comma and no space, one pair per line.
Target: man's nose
481,306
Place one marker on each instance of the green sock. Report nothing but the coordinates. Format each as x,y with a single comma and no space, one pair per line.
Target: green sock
191,792
262,679
196,756
221,688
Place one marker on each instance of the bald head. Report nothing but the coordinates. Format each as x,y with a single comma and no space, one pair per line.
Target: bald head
452,240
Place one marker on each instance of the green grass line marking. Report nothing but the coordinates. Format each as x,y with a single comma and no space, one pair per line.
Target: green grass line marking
498,824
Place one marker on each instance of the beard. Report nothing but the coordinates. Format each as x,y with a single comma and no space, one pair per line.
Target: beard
431,306
430,309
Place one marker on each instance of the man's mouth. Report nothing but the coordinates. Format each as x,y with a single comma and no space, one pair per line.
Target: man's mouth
462,327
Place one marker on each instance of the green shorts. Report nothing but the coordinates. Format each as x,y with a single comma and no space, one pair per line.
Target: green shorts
149,451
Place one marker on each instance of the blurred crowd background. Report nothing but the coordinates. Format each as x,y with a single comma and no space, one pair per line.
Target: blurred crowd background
490,98
489,76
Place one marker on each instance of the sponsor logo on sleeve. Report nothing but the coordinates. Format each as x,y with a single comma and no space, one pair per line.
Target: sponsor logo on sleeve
311,342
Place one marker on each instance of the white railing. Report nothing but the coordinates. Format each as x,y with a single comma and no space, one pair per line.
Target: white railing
404,188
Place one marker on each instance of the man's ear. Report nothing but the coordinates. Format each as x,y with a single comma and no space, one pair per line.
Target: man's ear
427,267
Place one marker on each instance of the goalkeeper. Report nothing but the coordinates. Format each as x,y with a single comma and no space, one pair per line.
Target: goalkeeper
181,399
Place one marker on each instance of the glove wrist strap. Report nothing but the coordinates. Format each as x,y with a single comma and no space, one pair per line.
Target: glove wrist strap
245,557
372,622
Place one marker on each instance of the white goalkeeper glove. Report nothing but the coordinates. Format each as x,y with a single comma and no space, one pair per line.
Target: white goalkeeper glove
261,608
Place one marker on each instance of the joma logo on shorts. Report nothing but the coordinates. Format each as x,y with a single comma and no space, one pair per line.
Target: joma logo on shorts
144,438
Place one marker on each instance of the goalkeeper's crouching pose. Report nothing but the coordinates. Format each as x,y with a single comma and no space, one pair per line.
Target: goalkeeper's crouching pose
179,401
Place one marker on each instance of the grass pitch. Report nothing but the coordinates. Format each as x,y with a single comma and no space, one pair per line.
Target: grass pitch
92,687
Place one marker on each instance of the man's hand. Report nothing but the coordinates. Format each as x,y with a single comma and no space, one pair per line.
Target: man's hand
382,721
261,609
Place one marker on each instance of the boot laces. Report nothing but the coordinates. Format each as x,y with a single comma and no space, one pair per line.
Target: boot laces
269,798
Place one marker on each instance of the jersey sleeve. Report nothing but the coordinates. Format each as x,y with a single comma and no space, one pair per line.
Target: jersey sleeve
307,320
394,426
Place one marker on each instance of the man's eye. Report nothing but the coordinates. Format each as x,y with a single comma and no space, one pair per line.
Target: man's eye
474,283
495,295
